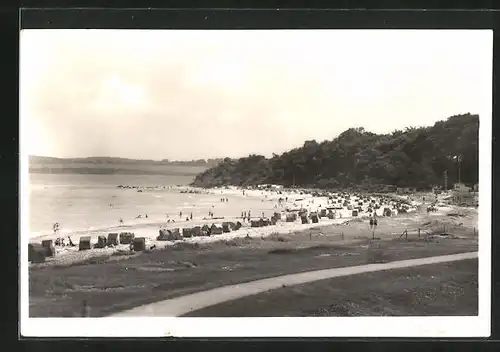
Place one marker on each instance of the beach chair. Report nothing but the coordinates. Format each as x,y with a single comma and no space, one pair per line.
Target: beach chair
164,235
36,253
139,244
205,230
84,243
255,223
112,239
216,230
196,231
238,226
225,227
304,219
50,250
186,233
101,242
127,237
314,218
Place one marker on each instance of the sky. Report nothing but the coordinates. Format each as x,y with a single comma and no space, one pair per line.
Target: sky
182,95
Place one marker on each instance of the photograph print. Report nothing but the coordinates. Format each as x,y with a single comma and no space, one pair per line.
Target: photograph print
255,174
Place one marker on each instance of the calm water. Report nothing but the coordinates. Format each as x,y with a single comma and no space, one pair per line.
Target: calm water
91,203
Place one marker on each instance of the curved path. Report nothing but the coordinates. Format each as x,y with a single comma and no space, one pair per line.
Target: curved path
181,305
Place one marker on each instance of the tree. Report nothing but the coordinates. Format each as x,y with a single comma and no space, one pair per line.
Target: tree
415,157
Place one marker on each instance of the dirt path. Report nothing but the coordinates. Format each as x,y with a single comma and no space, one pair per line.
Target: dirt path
189,303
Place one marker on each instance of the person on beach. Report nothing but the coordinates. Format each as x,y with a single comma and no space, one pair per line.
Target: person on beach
191,216
120,221
71,244
187,218
227,200
146,216
55,227
180,214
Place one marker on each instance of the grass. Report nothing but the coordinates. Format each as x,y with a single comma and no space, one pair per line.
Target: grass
446,289
125,280
111,286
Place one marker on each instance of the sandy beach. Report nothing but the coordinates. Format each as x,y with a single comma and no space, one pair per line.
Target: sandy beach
278,200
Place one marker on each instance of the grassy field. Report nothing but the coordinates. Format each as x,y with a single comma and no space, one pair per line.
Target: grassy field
446,289
114,283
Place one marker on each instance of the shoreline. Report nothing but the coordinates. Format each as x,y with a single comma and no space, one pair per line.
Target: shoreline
301,199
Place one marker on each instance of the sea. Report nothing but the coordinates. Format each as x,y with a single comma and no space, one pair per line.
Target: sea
93,204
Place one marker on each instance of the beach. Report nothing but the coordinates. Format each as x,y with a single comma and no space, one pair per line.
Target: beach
113,279
167,206
166,202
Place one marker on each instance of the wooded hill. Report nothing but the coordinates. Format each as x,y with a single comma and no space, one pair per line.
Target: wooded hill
415,157
105,160
111,166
